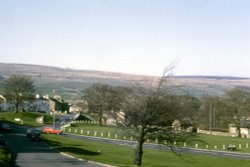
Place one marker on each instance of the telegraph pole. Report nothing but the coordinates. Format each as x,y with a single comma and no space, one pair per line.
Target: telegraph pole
210,118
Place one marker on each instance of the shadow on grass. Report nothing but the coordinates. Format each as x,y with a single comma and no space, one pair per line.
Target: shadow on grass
74,149
78,151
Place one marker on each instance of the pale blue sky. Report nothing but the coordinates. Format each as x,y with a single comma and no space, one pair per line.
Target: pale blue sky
204,37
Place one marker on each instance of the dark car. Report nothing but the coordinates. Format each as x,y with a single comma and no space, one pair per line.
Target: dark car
28,132
5,127
2,140
34,134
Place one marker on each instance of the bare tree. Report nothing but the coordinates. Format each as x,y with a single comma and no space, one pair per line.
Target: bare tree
238,100
103,98
18,88
150,113
214,113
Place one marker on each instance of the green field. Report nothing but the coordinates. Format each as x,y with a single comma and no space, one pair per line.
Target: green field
122,156
28,118
201,141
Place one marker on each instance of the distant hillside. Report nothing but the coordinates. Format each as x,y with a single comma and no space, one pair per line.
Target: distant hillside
69,82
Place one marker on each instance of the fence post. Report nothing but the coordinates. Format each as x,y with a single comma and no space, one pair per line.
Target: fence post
156,141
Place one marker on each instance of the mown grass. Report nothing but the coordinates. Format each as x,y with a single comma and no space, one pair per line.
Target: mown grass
122,156
28,118
201,141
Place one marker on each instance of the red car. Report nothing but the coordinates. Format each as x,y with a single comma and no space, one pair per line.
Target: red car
52,131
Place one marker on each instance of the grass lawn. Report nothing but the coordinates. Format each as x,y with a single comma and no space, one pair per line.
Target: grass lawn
122,156
5,157
202,141
101,131
29,118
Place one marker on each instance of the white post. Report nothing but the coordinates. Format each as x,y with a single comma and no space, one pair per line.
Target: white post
156,141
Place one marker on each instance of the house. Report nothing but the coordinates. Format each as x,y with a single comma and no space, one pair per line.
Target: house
41,104
58,105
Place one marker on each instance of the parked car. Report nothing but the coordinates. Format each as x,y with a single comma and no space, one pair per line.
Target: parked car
5,127
2,140
50,130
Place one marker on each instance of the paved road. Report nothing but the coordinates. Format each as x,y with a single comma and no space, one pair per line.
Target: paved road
162,147
29,154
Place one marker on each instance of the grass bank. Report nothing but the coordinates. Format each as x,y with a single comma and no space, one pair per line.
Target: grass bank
122,156
26,118
5,157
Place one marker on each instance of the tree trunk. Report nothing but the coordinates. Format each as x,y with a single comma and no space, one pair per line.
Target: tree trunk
139,149
16,106
239,131
100,117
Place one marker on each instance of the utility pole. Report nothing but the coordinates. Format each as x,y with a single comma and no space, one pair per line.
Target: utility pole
54,119
214,118
210,118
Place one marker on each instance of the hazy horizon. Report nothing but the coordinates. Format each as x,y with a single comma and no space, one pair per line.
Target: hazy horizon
75,69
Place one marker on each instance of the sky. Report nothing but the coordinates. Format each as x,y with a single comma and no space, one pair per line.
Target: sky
200,37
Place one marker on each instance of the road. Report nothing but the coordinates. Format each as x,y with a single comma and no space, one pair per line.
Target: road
29,154
167,148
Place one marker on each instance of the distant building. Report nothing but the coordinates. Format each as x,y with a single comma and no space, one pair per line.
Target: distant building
41,104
